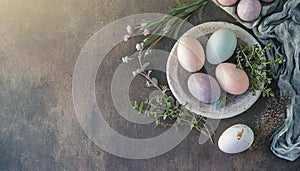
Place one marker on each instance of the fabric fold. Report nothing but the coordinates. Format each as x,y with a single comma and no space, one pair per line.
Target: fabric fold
282,28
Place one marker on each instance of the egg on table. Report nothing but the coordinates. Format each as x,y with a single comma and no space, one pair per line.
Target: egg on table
190,54
236,139
204,87
220,46
231,79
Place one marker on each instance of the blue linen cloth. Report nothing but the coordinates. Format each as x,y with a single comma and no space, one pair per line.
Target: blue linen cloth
282,28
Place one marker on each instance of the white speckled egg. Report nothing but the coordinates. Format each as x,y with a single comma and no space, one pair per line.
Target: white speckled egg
227,2
220,46
204,87
190,54
231,79
236,139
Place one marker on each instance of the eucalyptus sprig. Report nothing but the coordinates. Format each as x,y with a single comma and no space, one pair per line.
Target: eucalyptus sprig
167,108
253,61
164,107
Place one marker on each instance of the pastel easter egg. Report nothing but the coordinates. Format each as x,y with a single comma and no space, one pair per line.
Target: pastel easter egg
190,54
204,87
231,79
220,46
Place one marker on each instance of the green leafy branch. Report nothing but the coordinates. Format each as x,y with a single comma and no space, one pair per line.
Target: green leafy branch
150,81
165,107
252,59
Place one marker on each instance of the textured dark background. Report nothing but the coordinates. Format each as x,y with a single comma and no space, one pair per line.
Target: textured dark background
40,41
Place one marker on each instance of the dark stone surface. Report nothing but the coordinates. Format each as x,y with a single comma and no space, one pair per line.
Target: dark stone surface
40,41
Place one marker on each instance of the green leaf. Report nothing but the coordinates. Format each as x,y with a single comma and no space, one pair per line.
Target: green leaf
192,9
155,41
169,26
191,126
169,105
157,122
177,103
141,107
165,116
269,80
201,10
148,84
146,65
171,99
154,114
179,27
269,45
165,87
155,80
135,106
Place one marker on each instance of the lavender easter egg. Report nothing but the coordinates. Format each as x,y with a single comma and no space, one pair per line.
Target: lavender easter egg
249,10
204,87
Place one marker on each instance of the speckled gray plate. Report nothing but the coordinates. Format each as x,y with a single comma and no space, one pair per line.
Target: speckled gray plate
177,77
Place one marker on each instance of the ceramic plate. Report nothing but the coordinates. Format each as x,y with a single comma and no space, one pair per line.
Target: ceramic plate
177,77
